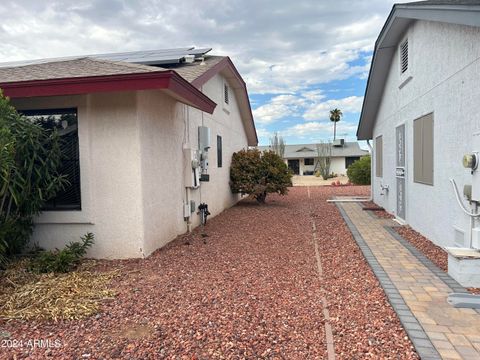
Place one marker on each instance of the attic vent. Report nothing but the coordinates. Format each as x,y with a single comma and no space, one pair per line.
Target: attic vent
226,94
404,56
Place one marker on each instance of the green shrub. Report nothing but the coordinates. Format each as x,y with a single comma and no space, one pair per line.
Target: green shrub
61,260
29,158
255,173
360,171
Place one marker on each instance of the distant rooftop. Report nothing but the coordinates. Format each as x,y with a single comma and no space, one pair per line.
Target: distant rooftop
300,151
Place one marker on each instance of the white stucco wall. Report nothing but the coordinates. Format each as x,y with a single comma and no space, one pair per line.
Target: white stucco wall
166,128
110,176
132,171
445,68
337,166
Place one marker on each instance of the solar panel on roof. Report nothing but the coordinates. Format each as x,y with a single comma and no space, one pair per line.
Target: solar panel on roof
146,57
154,57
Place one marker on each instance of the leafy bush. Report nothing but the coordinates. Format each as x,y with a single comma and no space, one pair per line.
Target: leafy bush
255,173
61,260
29,158
360,171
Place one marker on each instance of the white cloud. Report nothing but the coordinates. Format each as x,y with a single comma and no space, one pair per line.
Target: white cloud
351,104
279,107
279,46
316,129
309,104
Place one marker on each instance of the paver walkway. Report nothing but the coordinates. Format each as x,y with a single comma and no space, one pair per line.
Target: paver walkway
416,289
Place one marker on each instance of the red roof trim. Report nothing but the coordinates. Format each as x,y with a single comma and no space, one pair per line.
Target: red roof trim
169,80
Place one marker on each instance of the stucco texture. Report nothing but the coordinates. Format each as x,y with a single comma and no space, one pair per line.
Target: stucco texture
444,66
132,171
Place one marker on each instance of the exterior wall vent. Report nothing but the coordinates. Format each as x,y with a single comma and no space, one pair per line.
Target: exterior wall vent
226,94
404,56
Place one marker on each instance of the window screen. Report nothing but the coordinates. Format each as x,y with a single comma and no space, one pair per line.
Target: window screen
308,161
65,121
379,156
219,152
423,150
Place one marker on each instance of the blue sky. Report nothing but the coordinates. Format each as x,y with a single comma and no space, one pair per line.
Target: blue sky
300,59
302,116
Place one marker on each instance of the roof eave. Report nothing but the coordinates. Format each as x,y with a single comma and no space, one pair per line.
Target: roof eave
245,107
399,19
167,80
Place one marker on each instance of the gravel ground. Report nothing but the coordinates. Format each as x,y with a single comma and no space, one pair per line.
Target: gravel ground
381,212
433,252
248,290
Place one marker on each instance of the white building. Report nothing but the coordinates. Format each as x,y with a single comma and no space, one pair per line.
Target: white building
132,123
302,158
422,111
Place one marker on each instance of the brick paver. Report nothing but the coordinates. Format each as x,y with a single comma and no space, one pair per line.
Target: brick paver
454,333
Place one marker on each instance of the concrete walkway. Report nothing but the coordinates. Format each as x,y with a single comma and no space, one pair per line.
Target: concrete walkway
416,288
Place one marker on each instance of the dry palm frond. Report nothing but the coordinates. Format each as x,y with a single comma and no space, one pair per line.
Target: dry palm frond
70,296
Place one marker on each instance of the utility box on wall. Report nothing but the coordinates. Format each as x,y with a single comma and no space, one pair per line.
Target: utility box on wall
476,172
203,138
191,161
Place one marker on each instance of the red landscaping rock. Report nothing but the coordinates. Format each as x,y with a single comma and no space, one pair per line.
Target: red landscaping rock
249,290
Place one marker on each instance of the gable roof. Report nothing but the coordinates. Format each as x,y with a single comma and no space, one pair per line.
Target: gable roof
167,69
300,151
461,12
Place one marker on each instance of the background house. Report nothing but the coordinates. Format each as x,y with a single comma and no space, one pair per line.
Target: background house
302,158
141,129
421,109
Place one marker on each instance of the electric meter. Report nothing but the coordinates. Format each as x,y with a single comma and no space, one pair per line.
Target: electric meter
470,161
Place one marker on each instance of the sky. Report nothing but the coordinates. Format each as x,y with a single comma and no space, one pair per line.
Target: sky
300,59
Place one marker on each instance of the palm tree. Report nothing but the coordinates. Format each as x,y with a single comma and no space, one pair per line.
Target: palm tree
335,116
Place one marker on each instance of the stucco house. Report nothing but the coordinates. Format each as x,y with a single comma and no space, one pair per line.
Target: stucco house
421,111
302,158
148,138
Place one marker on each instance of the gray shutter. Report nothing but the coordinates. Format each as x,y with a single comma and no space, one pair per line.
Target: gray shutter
427,149
417,150
379,156
423,150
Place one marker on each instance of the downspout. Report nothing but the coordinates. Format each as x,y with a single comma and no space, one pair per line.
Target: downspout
371,170
187,141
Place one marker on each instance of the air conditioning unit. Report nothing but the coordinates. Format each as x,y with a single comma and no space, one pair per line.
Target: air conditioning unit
338,142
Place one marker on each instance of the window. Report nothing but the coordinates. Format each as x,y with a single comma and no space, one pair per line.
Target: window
226,94
219,151
65,121
379,156
308,161
349,160
423,150
404,56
